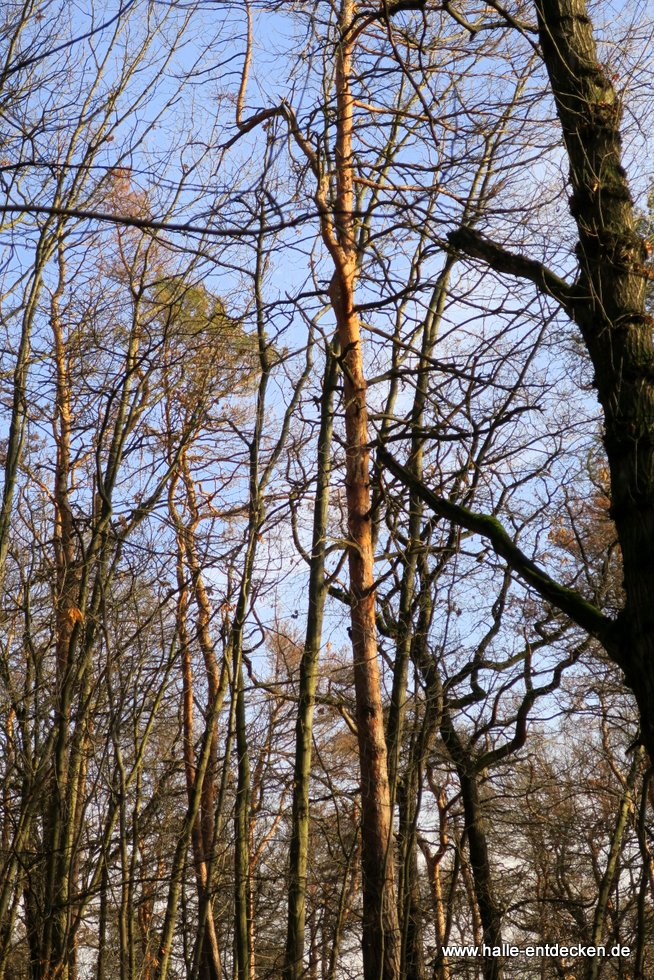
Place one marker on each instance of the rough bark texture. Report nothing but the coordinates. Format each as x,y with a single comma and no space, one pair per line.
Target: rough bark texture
609,307
608,303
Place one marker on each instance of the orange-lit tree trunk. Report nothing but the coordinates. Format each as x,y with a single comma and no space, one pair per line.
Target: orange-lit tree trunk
335,202
380,923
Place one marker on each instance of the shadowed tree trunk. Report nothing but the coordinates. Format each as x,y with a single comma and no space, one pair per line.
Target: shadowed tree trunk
608,304
294,965
607,301
480,862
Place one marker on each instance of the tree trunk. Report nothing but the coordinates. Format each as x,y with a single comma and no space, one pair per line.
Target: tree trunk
294,967
380,923
410,905
624,812
203,830
480,863
609,307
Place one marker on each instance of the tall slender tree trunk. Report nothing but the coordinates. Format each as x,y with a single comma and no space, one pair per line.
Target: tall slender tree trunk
61,805
410,905
294,963
381,959
242,885
202,837
625,809
433,861
480,863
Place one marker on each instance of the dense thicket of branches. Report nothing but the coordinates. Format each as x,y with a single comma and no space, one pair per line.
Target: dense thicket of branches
327,514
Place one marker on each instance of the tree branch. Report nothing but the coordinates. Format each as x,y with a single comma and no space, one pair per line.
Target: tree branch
568,601
147,224
472,243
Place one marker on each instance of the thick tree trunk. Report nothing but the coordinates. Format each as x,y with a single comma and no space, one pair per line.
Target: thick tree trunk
609,307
